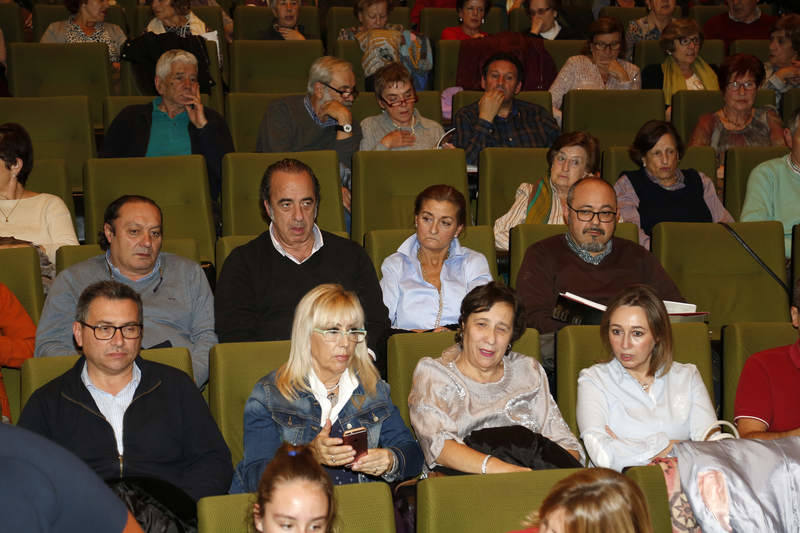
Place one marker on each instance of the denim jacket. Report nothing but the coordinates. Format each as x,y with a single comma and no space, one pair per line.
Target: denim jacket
270,419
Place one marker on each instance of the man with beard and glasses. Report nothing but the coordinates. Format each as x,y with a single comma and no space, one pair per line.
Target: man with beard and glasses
319,120
588,261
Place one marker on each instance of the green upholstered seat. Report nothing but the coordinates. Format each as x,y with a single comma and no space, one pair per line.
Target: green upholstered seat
20,273
184,197
542,98
562,50
350,51
702,13
252,22
712,270
740,341
112,105
739,162
791,101
50,176
244,114
651,480
650,53
382,243
66,256
434,19
598,111
11,23
340,16
623,14
226,244
385,185
616,160
40,370
261,66
579,347
445,67
501,170
212,16
37,69
524,235
406,349
241,190
429,105
234,369
46,14
756,47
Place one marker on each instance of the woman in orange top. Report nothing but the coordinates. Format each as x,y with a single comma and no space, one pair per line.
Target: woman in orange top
17,337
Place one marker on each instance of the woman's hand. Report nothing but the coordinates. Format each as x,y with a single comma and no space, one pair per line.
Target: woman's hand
376,462
398,138
615,69
330,451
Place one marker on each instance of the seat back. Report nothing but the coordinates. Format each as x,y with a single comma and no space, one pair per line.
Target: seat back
501,170
429,105
739,342
37,69
20,273
714,271
650,53
597,111
11,23
739,163
445,68
388,201
46,14
340,16
252,22
525,235
756,47
66,256
39,371
579,347
234,369
241,190
382,243
50,176
560,51
616,161
350,51
499,502
226,244
184,200
244,112
623,14
702,13
261,66
651,481
542,98
791,101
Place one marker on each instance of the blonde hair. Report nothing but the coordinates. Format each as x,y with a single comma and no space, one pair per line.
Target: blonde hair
322,307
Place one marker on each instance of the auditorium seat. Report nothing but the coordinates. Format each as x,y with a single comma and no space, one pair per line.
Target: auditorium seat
11,23
501,170
756,47
350,51
562,50
244,114
262,66
739,163
50,176
616,160
445,65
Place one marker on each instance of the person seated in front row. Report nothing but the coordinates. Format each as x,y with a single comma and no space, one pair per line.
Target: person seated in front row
769,389
661,192
471,16
285,25
160,426
295,493
633,408
499,119
400,126
175,123
481,384
572,157
327,387
424,282
783,67
175,16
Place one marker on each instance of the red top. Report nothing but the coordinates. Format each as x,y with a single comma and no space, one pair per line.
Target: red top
722,27
17,337
528,530
419,4
769,388
457,33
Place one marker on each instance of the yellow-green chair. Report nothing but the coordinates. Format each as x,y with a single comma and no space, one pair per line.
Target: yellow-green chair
434,19
253,22
579,347
50,176
756,47
37,69
429,105
560,51
445,68
11,23
740,341
791,101
66,256
542,98
20,273
262,66
651,480
714,271
702,13
244,112
616,161
739,163
212,16
623,14
227,244
406,349
598,111
499,502
385,185
501,170
241,190
40,370
650,53
340,16
234,370
525,235
382,243
45,14
178,184
350,51
112,105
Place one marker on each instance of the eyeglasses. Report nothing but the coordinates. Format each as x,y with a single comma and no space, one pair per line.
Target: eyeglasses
685,41
400,101
607,46
541,11
587,215
346,93
746,85
105,332
333,334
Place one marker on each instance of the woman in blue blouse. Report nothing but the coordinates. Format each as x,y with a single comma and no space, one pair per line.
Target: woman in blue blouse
425,280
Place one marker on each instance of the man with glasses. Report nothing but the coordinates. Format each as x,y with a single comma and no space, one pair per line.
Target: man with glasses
125,416
319,120
587,261
744,20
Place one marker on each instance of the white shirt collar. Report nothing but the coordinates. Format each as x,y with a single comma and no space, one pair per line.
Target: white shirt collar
314,249
552,32
347,384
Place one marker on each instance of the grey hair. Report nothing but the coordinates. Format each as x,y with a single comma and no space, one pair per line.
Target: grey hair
176,55
321,71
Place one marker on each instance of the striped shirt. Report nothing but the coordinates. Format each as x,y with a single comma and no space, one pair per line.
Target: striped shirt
113,406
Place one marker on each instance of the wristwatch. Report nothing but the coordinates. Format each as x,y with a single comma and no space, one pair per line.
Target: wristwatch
347,128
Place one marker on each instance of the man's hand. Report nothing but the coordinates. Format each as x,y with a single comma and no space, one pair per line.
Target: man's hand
194,108
490,104
790,74
347,198
338,112
398,138
536,24
291,34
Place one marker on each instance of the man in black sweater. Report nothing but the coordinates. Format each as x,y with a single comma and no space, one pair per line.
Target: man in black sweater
262,281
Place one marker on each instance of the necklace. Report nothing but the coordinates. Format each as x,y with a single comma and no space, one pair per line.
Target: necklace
735,124
8,215
332,392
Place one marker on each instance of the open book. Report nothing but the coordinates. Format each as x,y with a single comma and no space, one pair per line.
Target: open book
577,310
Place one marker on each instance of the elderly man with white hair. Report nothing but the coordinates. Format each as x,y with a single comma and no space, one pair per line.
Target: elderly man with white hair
175,123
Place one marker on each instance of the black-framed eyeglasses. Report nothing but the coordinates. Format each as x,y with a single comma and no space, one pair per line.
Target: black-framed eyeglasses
105,332
346,93
333,334
686,40
587,215
402,101
607,46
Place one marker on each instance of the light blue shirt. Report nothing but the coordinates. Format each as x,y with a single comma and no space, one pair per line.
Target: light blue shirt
168,136
675,407
413,303
113,406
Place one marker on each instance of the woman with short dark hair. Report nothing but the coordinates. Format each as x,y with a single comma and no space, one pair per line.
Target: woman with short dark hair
86,24
471,16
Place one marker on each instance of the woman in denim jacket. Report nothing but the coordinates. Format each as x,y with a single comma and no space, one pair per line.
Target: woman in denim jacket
328,386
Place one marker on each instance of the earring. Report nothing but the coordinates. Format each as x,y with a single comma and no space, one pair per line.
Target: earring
508,350
483,20
460,20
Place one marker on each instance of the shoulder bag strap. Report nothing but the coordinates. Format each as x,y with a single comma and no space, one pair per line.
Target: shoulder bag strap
755,256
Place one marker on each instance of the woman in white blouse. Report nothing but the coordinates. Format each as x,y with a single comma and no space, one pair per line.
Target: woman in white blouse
636,406
598,66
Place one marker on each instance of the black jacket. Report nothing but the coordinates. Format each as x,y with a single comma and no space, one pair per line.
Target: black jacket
168,432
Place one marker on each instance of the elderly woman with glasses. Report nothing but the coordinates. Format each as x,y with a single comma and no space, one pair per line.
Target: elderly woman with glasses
400,126
327,390
599,65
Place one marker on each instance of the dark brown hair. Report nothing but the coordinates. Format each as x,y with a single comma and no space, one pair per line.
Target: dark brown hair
789,23
678,29
112,213
482,298
602,26
389,75
648,136
443,193
487,4
740,65
16,143
109,289
587,141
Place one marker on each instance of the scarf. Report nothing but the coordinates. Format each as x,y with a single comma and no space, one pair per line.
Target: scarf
674,80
